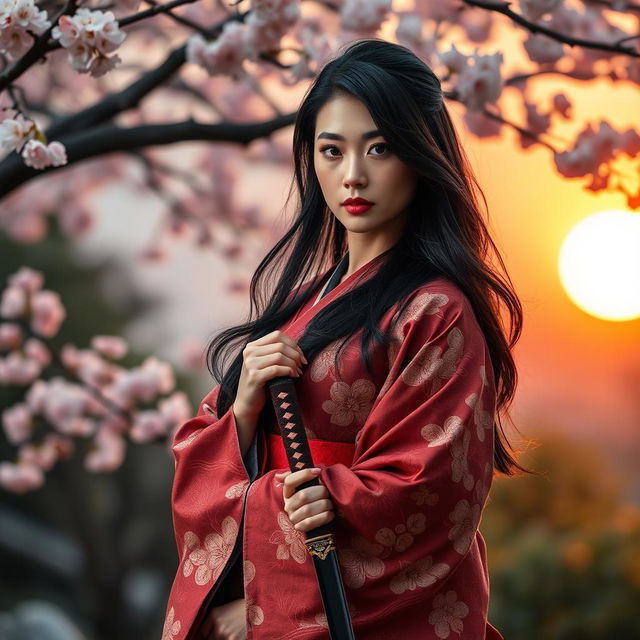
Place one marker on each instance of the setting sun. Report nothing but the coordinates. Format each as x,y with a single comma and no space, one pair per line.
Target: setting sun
599,265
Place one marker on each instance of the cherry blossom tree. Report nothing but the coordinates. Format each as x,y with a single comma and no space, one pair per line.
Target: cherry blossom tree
96,91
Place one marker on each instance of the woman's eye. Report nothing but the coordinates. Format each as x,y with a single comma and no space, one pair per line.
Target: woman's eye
324,150
380,144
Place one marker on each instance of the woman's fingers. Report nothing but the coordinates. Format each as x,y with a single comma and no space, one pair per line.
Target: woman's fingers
294,479
315,521
278,336
307,496
310,509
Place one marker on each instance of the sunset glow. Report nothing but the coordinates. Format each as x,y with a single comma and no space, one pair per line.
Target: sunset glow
599,265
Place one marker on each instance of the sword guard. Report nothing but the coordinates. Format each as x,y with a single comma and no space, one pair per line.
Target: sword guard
321,546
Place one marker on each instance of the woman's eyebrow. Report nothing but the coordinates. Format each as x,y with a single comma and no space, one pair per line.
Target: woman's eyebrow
336,136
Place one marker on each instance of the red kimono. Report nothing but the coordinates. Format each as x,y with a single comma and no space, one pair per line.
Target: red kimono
407,508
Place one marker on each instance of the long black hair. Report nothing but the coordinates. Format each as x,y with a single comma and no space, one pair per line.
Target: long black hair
445,234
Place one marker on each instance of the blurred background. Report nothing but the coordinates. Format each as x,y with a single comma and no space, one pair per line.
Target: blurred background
140,235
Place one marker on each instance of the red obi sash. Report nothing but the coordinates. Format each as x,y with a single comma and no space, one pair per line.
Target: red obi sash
323,452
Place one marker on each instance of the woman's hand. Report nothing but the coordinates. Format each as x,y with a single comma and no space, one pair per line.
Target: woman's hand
273,355
310,507
226,622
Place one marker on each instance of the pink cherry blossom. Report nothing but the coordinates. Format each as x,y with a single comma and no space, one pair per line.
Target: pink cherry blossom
594,148
175,409
480,82
364,15
40,156
63,402
87,34
561,104
16,369
47,313
113,347
37,351
148,426
480,125
14,132
441,10
10,336
17,423
36,396
44,455
537,123
15,41
535,9
27,279
409,29
222,56
14,302
75,219
21,477
453,59
542,49
27,15
107,452
477,24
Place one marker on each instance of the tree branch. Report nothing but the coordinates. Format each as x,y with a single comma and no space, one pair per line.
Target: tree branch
111,138
503,8
129,97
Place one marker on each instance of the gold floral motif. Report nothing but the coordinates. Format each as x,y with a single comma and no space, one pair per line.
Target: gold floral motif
434,365
213,555
436,435
401,537
349,402
466,519
359,562
421,573
187,441
236,490
459,464
255,614
171,627
447,614
290,541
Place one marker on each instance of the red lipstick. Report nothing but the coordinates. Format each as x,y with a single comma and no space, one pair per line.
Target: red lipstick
356,206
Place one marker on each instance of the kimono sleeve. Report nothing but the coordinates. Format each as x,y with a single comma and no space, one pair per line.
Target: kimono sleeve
210,471
410,505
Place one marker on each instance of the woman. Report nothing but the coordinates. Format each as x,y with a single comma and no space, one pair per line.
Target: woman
400,363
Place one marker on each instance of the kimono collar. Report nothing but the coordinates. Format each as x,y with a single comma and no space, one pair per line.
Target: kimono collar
296,326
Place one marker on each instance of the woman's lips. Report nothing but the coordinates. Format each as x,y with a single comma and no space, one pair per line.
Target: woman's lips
357,209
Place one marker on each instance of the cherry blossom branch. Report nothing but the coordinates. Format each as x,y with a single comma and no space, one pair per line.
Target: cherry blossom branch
521,130
39,49
154,10
105,139
179,19
504,9
44,44
131,96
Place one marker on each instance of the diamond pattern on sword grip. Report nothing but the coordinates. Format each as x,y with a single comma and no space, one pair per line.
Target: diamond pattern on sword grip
298,451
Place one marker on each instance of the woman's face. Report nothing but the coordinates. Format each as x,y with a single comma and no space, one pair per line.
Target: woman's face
352,160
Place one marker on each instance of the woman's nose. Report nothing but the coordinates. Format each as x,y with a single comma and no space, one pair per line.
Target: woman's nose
355,175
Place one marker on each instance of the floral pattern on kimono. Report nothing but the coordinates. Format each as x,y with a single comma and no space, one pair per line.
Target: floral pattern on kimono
408,508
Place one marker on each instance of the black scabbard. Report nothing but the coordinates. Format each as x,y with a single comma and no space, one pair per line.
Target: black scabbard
319,541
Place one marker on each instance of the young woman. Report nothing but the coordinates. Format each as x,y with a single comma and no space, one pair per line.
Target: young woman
386,313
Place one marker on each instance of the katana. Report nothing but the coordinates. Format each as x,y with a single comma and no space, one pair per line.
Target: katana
319,541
